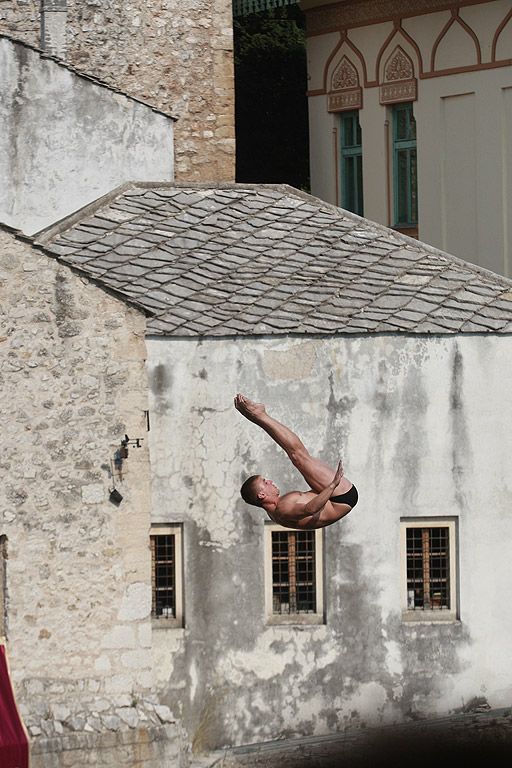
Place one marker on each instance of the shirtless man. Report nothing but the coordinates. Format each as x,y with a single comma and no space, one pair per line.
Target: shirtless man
332,497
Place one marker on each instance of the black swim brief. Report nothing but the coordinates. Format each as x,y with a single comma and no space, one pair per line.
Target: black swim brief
350,497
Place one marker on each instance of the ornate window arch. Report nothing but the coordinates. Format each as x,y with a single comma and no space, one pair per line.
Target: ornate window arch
398,83
345,92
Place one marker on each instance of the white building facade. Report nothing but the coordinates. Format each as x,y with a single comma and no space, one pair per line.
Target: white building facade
406,416
410,119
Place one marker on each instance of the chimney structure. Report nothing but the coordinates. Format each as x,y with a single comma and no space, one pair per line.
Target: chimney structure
53,27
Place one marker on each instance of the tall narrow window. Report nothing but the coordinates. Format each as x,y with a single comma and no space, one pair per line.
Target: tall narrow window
166,565
406,183
351,163
428,551
293,572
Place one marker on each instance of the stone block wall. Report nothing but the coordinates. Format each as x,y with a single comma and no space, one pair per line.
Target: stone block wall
21,19
77,579
145,746
175,54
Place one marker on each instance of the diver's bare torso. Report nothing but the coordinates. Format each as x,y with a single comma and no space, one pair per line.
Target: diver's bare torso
289,511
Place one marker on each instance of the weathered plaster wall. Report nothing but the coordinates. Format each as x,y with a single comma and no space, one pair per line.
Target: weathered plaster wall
177,55
65,141
78,586
423,427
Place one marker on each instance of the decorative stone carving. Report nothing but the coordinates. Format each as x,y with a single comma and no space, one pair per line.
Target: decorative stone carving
344,76
399,82
345,92
400,67
358,12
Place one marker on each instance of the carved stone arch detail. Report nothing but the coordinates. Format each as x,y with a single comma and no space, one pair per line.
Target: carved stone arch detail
398,37
344,76
345,91
398,66
398,80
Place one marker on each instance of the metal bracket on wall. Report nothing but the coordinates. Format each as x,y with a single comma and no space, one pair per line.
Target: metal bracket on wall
123,451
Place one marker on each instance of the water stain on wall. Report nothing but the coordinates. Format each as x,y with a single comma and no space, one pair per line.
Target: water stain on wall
294,363
160,381
461,454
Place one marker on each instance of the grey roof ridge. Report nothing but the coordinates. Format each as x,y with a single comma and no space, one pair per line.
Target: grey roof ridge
19,235
45,235
61,225
96,80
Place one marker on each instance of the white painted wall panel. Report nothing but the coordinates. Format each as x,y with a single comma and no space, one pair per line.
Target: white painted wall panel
459,179
424,430
65,140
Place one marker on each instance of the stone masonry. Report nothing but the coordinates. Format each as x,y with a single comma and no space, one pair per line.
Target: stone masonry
178,56
77,584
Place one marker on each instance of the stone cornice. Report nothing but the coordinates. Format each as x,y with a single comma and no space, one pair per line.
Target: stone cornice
342,15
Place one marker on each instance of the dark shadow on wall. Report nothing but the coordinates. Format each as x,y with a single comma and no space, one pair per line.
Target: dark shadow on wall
423,750
271,110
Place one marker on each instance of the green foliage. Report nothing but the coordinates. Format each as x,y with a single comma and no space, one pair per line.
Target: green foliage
271,103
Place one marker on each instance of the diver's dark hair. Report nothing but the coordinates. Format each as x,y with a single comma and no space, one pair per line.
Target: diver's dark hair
249,493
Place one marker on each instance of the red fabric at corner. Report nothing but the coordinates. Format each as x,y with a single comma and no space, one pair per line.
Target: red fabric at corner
14,748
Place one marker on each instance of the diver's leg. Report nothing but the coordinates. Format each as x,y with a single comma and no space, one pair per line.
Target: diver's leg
316,473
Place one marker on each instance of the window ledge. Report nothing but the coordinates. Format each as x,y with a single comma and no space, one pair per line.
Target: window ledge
298,620
429,617
411,230
166,624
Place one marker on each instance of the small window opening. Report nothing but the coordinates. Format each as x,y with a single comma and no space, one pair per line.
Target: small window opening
428,568
163,555
293,572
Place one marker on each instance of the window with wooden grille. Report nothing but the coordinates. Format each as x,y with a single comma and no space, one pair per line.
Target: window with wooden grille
166,581
429,556
293,571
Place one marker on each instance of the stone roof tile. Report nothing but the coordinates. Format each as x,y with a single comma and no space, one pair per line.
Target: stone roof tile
234,259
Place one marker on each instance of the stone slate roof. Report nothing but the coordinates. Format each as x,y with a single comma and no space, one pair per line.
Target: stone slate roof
234,259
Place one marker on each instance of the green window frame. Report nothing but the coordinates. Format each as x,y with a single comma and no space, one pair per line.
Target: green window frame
351,163
405,165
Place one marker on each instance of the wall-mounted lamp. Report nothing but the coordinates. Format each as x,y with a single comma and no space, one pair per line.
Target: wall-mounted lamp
115,497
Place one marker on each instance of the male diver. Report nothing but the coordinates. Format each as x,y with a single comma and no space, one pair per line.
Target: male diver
331,497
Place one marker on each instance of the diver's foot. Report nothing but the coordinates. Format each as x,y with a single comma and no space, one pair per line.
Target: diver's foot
251,410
